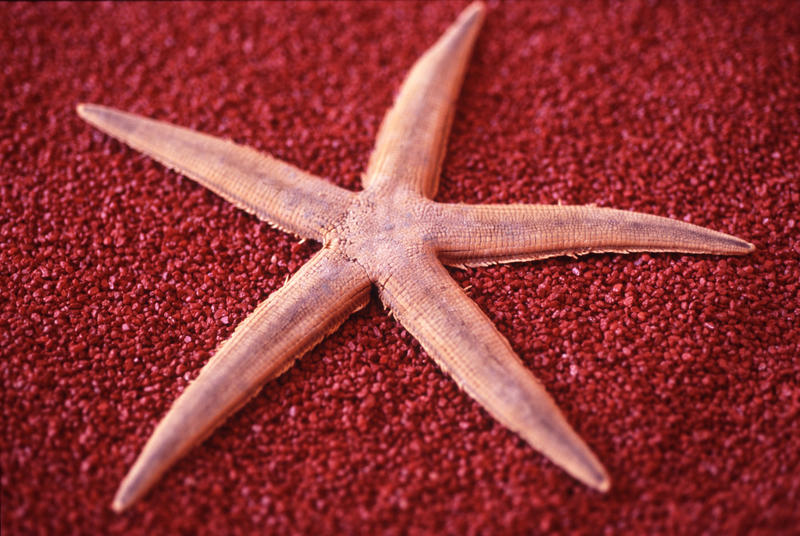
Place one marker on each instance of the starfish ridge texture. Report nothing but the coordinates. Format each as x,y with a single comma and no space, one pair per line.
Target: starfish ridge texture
394,236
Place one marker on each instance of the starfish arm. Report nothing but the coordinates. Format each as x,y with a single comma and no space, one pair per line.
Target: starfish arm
413,136
475,235
462,340
313,303
272,190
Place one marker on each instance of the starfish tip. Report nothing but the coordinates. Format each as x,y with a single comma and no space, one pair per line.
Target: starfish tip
118,506
84,110
475,8
125,497
737,246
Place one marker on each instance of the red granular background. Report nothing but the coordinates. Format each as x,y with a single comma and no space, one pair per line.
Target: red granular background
119,278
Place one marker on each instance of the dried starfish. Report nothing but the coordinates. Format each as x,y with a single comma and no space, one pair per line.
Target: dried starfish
392,235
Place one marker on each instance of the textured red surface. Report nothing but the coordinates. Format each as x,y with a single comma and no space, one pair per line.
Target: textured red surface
119,278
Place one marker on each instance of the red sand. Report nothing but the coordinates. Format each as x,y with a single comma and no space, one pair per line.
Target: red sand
118,278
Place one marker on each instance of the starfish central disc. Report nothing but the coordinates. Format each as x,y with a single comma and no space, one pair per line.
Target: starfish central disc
377,232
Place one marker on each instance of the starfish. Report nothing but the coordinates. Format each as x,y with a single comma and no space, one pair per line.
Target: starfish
393,235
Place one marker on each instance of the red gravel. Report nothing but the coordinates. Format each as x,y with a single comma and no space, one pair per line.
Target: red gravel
119,278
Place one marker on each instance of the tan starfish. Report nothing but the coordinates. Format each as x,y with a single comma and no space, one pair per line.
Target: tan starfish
392,235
